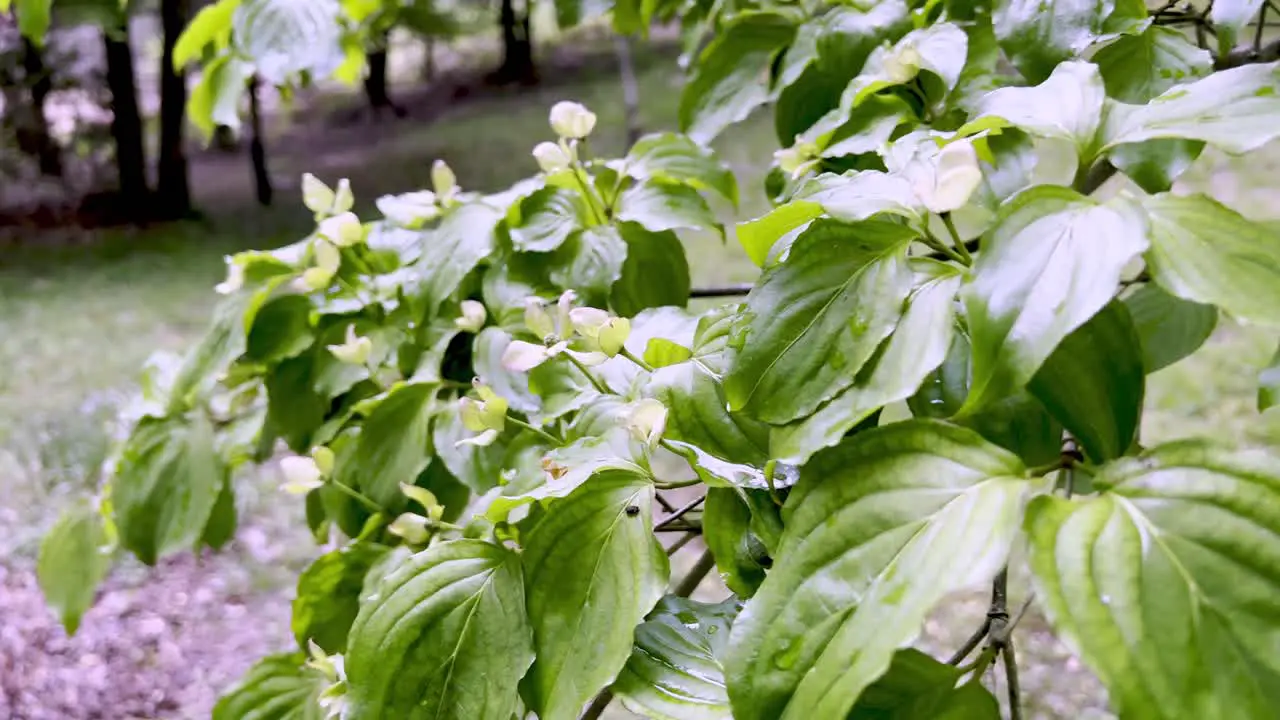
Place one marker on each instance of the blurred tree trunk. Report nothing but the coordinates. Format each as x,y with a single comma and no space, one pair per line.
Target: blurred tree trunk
225,140
630,89
172,187
257,150
33,135
126,121
517,46
375,82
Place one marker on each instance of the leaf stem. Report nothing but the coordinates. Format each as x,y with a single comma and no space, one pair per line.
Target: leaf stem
966,258
535,430
595,382
937,245
359,496
674,484
624,352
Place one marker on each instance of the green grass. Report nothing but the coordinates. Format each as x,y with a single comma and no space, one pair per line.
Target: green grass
78,322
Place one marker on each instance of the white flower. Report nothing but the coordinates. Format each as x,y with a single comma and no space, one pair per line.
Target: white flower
342,230
563,306
946,181
356,349
572,120
537,319
901,66
410,209
410,526
301,475
316,195
551,157
588,321
315,279
343,199
326,255
235,278
521,356
473,317
647,422
443,181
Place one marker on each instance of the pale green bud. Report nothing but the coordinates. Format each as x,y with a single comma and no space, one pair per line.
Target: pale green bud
797,159
410,526
316,195
316,278
356,349
425,498
342,230
572,120
343,198
551,157
473,317
326,255
443,181
537,319
613,335
324,459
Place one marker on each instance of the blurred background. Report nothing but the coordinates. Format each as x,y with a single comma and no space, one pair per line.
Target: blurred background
97,272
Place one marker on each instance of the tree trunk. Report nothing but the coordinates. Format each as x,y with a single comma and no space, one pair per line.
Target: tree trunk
517,47
172,189
258,151
126,122
429,60
630,89
375,82
33,135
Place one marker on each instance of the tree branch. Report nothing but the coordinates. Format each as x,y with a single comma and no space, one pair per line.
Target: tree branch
677,514
1011,681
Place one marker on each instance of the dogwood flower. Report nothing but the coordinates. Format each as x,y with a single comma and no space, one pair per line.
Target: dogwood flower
356,349
571,120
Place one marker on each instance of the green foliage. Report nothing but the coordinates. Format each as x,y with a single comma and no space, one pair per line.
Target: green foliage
493,398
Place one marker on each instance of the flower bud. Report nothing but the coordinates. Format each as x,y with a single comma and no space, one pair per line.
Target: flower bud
326,255
572,120
563,306
356,349
410,526
521,356
324,459
342,230
613,335
902,65
647,422
425,498
797,159
316,195
551,157
443,181
315,279
301,475
487,413
473,317
537,319
957,177
235,278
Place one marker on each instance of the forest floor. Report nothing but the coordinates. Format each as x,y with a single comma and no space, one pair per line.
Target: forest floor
79,314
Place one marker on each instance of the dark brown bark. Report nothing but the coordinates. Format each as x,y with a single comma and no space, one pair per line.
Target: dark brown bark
126,122
375,82
173,191
517,47
257,149
33,136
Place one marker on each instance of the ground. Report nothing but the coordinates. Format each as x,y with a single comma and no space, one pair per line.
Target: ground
78,320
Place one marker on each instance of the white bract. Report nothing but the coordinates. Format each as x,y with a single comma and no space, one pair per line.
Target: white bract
355,350
342,230
572,120
235,278
410,526
473,316
443,181
647,422
317,196
301,475
551,157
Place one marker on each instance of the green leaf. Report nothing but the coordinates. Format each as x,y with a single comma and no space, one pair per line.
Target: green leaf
452,251
281,329
33,19
1229,17
740,555
1094,381
74,558
1169,327
659,206
868,520
445,637
864,195
939,49
864,130
277,687
1269,384
215,99
328,595
676,158
221,526
394,445
486,357
673,671
650,255
732,75
590,262
661,352
166,484
1067,106
295,411
547,218
1136,68
479,468
696,413
758,236
917,687
850,33
1166,583
1206,252
1195,112
812,322
212,355
286,37
1037,35
210,26
593,570
917,346
1051,262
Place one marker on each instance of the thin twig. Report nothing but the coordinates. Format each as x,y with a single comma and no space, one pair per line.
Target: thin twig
677,514
665,503
680,527
971,644
705,563
726,291
1257,33
675,546
596,709
1011,678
